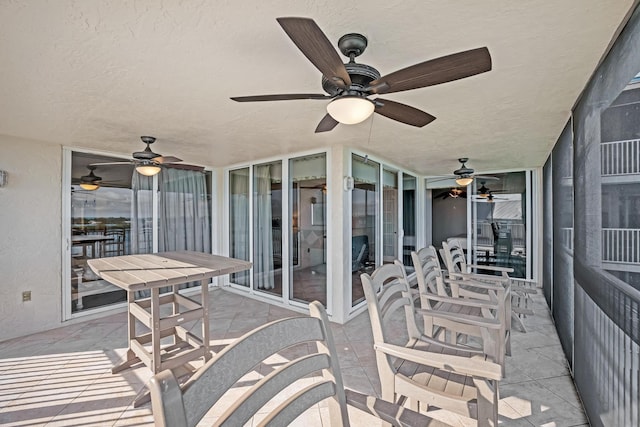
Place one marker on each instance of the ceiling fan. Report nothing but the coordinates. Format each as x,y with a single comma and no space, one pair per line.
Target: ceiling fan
149,163
485,191
488,198
453,193
349,85
90,182
464,175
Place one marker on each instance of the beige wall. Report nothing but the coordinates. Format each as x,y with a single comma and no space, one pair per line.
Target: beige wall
30,236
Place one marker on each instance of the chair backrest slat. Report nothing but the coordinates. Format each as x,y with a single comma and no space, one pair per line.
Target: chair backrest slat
428,271
241,357
295,405
256,397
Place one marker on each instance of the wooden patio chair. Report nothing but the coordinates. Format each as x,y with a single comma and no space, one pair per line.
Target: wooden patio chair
521,289
422,371
486,319
178,407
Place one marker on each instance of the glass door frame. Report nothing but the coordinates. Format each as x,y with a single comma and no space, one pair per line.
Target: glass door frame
531,224
285,299
67,163
348,214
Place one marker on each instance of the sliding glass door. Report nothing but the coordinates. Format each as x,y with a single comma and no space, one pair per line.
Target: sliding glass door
365,215
100,213
287,235
308,229
409,215
389,216
500,228
115,211
267,228
239,221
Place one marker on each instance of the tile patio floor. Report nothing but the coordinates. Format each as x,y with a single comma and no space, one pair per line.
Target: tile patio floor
63,377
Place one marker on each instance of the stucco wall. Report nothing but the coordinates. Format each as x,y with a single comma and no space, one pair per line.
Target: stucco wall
30,237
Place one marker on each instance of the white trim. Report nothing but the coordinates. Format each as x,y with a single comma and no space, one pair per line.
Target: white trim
66,234
529,224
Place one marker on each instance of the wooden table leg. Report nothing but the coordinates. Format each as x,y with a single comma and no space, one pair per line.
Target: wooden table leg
205,318
155,330
131,358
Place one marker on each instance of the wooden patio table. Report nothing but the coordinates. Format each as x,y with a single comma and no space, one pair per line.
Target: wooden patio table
152,272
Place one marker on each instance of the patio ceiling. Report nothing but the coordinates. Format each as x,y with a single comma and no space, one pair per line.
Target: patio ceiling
100,74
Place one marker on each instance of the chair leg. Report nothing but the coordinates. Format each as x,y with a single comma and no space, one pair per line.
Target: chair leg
487,402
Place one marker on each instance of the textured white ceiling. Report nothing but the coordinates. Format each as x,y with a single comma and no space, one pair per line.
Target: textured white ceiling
98,74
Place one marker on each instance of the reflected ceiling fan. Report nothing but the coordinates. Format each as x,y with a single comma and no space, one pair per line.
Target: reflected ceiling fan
485,191
349,85
489,198
453,193
91,181
464,175
149,163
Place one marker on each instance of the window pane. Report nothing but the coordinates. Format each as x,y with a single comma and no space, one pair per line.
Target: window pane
267,228
390,217
500,223
239,221
408,218
100,227
308,267
364,197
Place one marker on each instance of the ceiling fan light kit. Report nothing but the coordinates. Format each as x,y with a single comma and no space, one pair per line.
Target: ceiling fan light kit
89,186
350,109
91,181
463,181
148,169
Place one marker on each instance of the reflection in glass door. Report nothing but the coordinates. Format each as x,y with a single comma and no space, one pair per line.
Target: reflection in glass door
308,229
499,218
100,227
239,221
364,211
267,228
409,207
389,216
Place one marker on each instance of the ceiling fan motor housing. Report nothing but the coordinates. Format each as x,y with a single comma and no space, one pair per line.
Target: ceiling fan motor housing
147,154
361,75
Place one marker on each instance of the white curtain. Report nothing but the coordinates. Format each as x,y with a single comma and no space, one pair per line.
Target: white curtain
239,221
141,214
184,220
184,211
263,238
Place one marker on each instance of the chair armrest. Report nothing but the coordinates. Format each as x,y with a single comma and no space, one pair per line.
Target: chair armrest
479,277
166,400
480,303
389,412
491,268
454,347
463,318
476,284
476,366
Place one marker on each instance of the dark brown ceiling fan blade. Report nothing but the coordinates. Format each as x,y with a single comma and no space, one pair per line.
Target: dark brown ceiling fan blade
435,71
184,166
402,113
315,45
283,97
326,124
166,159
125,162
